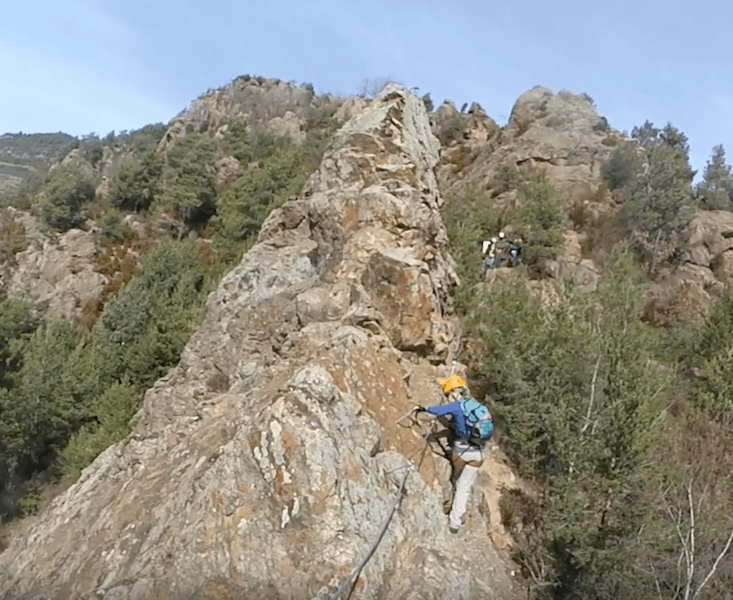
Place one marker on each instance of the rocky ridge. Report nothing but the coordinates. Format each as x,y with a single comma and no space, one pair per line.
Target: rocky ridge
562,137
558,135
266,462
279,106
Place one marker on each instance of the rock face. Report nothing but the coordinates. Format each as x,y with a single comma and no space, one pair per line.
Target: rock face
558,135
266,463
60,274
256,99
706,269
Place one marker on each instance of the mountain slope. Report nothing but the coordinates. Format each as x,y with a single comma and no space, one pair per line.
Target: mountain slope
266,462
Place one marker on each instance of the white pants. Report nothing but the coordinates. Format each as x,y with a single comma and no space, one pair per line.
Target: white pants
465,481
461,495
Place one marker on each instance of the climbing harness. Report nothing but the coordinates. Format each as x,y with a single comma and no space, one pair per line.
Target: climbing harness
348,584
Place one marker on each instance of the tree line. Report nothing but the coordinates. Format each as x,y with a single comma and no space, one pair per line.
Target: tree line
622,429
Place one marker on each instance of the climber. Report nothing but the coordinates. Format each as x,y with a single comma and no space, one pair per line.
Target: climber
515,250
502,249
472,427
488,251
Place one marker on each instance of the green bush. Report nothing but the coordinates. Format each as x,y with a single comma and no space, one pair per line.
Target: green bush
428,102
18,320
659,202
469,218
39,412
247,146
113,226
620,170
243,207
601,125
138,183
707,349
144,326
63,194
31,501
716,187
188,181
59,380
540,219
451,129
577,396
114,410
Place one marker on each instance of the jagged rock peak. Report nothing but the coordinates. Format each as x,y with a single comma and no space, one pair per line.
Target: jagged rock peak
562,112
256,99
267,461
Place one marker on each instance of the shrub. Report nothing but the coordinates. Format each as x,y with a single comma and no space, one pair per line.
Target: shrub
371,88
451,129
138,183
578,397
114,227
244,206
247,146
601,125
540,219
145,325
31,501
41,412
18,320
620,170
188,181
428,102
659,202
63,195
716,187
589,99
12,239
114,410
283,170
469,218
708,350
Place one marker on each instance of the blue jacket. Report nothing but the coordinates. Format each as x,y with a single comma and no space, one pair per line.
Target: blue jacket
459,421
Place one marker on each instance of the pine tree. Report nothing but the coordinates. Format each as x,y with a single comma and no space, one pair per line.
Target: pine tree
716,187
659,204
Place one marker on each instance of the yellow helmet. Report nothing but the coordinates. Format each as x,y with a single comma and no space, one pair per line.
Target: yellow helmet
452,383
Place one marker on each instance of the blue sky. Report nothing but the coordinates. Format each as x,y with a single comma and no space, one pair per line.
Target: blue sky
83,66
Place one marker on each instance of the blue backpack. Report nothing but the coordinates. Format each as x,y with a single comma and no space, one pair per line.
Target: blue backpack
478,420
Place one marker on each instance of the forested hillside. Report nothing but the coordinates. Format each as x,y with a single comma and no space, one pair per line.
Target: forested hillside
605,354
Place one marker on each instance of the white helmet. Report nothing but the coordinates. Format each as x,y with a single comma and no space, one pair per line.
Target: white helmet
502,235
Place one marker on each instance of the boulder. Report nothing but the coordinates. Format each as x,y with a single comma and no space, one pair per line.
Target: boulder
226,170
289,125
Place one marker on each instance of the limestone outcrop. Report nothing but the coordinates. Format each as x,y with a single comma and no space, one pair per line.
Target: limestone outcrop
265,464
558,135
562,137
705,269
60,274
256,99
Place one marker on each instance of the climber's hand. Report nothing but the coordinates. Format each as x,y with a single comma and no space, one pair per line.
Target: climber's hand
419,409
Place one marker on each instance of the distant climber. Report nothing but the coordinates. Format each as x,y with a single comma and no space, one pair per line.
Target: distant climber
472,427
515,251
504,251
488,252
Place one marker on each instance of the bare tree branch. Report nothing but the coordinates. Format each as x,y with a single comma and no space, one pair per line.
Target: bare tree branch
714,567
592,396
691,558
